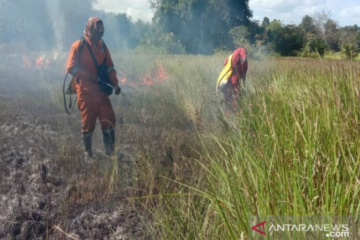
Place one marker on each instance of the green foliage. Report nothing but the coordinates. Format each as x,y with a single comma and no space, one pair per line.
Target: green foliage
350,35
257,33
319,46
320,33
287,40
265,22
239,35
157,41
202,25
251,35
307,52
331,35
307,25
222,50
275,25
350,51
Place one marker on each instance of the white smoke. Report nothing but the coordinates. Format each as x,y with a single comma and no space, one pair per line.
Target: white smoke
58,23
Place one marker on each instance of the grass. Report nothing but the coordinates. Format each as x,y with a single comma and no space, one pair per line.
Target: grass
291,149
337,56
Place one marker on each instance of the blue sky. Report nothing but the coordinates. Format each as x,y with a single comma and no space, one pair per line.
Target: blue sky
345,12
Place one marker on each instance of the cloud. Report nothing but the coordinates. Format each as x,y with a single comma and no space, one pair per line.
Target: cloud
351,12
280,6
345,12
292,11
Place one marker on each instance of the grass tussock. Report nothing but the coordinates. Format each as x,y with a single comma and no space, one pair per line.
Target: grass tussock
292,150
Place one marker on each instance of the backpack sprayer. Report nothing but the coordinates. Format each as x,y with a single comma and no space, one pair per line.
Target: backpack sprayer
71,90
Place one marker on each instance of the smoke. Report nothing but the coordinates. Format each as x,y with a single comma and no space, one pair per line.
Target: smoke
58,23
53,25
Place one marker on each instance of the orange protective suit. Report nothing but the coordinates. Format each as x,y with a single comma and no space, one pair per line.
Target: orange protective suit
92,103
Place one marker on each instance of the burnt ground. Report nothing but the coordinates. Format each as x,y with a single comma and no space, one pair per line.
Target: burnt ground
43,197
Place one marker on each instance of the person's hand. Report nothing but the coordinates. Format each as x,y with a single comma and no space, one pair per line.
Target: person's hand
117,90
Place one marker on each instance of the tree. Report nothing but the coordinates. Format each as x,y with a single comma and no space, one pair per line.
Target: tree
274,29
265,23
351,51
350,35
157,41
309,29
240,35
287,40
201,25
307,25
139,30
320,19
318,45
331,35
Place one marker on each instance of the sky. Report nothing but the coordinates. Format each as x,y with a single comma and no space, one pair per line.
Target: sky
137,9
345,12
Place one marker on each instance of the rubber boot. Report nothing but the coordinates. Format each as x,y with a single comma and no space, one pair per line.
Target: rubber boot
88,154
109,140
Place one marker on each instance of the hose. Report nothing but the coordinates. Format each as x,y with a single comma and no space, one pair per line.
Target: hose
68,108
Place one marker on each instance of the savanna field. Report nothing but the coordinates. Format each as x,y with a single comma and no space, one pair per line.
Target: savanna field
183,169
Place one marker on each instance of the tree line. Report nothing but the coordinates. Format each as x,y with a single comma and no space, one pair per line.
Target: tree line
312,37
186,26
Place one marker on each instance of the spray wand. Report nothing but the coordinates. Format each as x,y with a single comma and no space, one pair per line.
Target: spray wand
109,85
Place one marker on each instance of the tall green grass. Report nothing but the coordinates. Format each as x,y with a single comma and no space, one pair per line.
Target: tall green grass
293,149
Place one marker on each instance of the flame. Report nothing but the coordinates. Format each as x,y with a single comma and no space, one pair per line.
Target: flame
27,62
147,80
161,73
156,75
39,61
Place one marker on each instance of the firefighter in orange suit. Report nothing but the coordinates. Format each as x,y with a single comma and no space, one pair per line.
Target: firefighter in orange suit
93,104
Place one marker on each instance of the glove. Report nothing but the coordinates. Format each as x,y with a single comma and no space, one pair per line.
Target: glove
117,90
